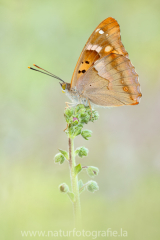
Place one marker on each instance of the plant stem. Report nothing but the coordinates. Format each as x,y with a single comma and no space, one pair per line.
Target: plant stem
74,183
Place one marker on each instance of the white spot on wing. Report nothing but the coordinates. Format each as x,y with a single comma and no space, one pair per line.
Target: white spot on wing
94,47
101,31
97,29
108,48
98,49
89,47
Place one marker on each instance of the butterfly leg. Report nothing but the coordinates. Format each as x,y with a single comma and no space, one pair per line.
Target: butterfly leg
66,128
68,105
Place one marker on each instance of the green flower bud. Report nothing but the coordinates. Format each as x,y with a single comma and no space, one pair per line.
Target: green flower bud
92,171
63,188
75,122
59,158
75,119
92,186
68,113
85,117
86,134
88,110
95,116
81,111
82,151
78,107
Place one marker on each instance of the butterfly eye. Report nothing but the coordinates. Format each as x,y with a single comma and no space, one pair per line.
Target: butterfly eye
63,85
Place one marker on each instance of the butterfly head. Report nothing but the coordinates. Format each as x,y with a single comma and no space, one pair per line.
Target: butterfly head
65,86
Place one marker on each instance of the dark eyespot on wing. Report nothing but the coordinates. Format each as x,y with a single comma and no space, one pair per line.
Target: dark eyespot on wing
83,71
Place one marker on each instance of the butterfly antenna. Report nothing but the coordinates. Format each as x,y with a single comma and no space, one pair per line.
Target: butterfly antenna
43,69
46,72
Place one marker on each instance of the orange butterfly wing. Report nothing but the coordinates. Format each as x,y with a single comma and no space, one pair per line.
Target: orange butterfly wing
111,81
104,74
104,40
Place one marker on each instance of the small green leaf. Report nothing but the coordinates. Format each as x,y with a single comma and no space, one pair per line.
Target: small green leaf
77,130
80,125
86,134
82,189
71,130
71,196
59,158
64,153
78,168
76,151
81,186
80,183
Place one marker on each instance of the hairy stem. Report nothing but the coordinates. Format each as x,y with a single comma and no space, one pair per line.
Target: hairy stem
74,183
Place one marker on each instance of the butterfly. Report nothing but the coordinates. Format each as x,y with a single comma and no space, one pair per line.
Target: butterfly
104,75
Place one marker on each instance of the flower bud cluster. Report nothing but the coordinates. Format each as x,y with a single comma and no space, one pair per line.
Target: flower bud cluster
77,117
81,151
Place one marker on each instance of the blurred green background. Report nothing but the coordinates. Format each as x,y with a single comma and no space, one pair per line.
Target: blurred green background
125,145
